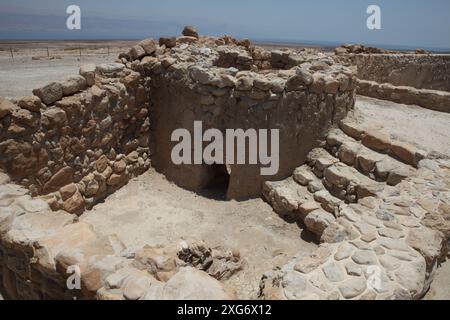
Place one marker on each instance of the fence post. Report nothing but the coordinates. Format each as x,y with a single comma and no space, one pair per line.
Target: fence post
12,54
48,53
108,50
80,51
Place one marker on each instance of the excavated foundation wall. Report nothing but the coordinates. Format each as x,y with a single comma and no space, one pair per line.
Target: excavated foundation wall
415,79
77,149
419,71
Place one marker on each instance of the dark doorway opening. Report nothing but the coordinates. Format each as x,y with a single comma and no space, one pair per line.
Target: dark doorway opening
218,187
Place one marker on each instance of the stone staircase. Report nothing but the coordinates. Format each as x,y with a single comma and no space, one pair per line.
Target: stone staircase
353,164
380,210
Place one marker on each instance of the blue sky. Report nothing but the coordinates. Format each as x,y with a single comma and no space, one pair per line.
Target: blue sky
416,23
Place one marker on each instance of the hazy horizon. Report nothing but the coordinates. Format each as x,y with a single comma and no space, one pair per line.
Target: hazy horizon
405,23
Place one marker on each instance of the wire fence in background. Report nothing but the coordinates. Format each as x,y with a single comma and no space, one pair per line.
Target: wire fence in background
57,52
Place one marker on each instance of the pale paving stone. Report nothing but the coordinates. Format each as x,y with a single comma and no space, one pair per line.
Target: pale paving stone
412,277
365,257
333,272
391,233
353,269
352,288
344,251
390,263
318,280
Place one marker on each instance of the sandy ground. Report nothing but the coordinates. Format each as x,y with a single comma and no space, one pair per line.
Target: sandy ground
428,129
150,210
20,75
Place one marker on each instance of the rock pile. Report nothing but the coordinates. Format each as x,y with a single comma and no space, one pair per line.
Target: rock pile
76,141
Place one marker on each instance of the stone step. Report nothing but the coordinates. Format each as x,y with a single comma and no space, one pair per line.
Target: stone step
378,166
338,179
305,176
379,140
314,209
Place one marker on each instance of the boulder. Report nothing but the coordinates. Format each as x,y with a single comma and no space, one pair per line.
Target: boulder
190,31
136,52
57,181
73,85
50,93
30,103
109,68
88,72
168,42
54,116
149,46
6,107
301,80
74,204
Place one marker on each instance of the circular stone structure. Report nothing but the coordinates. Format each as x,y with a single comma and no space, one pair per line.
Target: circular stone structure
227,85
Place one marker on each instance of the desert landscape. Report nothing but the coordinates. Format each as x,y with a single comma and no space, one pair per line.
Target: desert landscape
359,209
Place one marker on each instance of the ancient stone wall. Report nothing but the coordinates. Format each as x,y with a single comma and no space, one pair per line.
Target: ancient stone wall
38,246
430,99
236,87
76,141
421,71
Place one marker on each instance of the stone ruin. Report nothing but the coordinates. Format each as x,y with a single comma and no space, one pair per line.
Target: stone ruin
378,206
